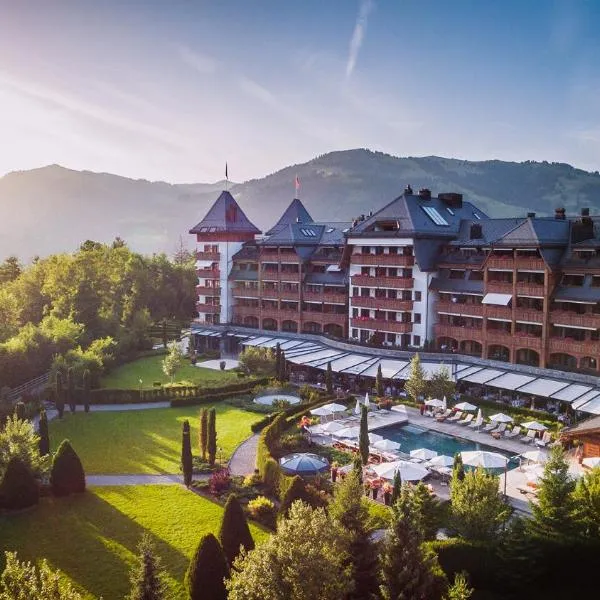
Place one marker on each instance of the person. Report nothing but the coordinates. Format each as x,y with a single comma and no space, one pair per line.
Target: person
422,408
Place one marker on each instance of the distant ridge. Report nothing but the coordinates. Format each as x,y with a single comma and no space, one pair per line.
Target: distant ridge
52,208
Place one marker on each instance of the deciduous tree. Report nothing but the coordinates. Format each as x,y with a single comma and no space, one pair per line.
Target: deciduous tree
441,384
18,438
173,361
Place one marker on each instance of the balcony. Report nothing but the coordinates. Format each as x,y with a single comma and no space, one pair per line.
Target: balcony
527,341
392,260
382,325
530,289
288,294
519,262
246,292
213,256
208,273
565,317
499,287
329,297
208,308
290,257
572,346
246,311
504,338
527,314
457,308
382,303
498,312
324,318
399,283
457,332
202,290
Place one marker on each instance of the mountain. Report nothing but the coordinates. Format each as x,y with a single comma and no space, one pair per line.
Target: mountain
54,209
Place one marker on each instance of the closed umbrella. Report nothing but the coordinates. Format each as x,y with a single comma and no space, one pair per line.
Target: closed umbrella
535,456
408,471
465,406
320,412
444,404
591,461
435,403
535,426
303,464
501,418
441,460
479,418
367,401
348,432
485,459
357,407
387,445
423,453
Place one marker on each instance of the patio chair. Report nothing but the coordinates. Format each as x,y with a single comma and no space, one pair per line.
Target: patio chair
490,427
475,424
527,439
499,430
546,439
516,430
443,416
456,417
466,420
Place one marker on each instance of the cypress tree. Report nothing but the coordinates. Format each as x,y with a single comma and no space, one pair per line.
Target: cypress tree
186,454
20,410
44,443
147,576
164,333
87,386
363,439
458,468
379,381
204,579
278,361
211,445
71,390
329,379
67,475
18,488
234,530
60,395
203,433
397,488
415,384
283,371
357,467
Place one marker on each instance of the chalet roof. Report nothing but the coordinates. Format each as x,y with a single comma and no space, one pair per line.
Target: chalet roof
295,213
537,231
588,426
305,234
225,215
491,230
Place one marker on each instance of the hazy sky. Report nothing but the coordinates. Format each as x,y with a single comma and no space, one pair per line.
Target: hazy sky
173,89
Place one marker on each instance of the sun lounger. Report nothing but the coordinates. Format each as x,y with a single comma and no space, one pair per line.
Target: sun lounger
497,433
516,430
475,424
490,427
456,417
466,420
527,439
546,439
443,416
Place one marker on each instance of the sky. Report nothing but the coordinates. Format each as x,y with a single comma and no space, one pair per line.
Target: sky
174,90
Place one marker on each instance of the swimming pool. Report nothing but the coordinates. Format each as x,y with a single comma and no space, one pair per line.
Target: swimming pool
412,437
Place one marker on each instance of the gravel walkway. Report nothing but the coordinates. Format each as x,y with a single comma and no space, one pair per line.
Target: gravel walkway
102,480
243,461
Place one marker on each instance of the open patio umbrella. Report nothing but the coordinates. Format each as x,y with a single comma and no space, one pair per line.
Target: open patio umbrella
434,402
375,437
408,471
357,407
321,411
465,406
331,427
387,445
441,460
501,418
348,432
591,461
536,456
334,407
367,401
423,453
485,459
534,425
303,464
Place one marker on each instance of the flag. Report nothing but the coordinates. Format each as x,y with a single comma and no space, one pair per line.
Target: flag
297,183
226,176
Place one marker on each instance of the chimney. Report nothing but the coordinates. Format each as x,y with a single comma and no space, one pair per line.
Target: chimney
475,232
585,212
531,215
451,199
559,213
408,189
425,194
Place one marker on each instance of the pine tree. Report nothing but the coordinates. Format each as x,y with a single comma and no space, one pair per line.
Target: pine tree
415,384
329,379
44,443
18,488
148,581
397,487
71,390
407,571
460,589
552,512
204,579
203,433
422,508
67,475
234,530
379,381
350,509
458,468
186,454
60,395
363,439
87,385
211,445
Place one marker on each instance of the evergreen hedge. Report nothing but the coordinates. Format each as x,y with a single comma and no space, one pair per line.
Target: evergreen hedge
234,531
18,488
67,475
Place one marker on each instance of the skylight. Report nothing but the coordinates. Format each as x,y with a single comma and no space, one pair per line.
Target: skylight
450,211
477,216
330,230
434,215
308,232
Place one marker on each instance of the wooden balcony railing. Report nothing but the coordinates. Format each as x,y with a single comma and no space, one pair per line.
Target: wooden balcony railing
458,333
401,283
328,297
519,262
530,289
324,317
528,314
246,311
382,303
571,346
246,292
382,325
208,273
214,256
497,337
527,341
208,308
564,317
392,260
202,290
499,287
455,308
498,312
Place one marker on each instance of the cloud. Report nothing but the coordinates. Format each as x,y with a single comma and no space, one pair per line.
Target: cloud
204,64
358,35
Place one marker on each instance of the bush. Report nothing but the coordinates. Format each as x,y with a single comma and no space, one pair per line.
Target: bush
271,475
263,510
234,531
219,482
19,488
67,475
207,571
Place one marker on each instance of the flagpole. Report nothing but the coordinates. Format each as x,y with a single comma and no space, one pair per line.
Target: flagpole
226,178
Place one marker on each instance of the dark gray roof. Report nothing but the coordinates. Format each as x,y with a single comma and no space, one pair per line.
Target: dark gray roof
427,252
409,211
537,231
491,230
333,278
248,251
225,215
294,213
237,275
442,284
584,293
308,235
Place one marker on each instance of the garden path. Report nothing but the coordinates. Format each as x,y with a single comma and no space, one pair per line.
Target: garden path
243,460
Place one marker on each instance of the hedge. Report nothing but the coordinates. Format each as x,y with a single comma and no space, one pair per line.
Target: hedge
201,395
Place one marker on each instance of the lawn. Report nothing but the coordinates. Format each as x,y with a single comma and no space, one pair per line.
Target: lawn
149,370
145,441
92,538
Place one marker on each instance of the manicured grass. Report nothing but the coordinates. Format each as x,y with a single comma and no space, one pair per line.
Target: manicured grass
93,537
149,370
145,441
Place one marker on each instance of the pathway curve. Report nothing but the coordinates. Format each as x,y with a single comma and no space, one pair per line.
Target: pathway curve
243,460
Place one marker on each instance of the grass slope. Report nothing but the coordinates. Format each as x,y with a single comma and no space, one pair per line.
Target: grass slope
144,441
149,370
93,538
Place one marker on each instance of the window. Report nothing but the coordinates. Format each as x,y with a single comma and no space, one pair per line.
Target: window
416,340
417,318
434,215
355,333
417,296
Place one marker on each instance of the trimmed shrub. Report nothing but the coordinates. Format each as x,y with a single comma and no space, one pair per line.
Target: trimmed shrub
44,443
19,488
234,531
87,385
263,510
296,491
205,576
67,475
211,445
186,454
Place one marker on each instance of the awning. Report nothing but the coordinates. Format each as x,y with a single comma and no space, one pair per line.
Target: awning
591,395
574,326
206,333
510,381
351,360
469,371
272,343
389,368
257,341
483,376
360,367
543,387
592,407
291,344
318,354
571,392
498,299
